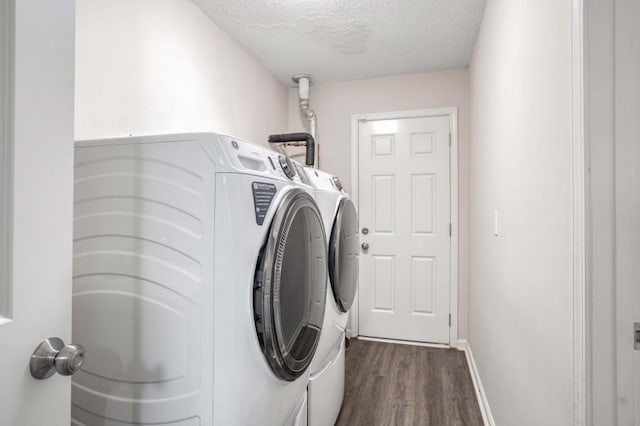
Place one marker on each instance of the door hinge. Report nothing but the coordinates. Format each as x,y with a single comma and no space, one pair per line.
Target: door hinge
449,320
450,230
636,336
449,139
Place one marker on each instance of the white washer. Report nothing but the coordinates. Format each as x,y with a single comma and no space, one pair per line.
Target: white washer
326,382
199,283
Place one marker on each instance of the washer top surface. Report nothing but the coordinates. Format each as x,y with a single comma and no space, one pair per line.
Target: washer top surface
229,153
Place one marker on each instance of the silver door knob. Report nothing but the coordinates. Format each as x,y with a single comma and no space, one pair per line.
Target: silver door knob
365,246
52,356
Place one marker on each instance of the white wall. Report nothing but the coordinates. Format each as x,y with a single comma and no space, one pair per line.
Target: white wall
162,66
335,103
520,300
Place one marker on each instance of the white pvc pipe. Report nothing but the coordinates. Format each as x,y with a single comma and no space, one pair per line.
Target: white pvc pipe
303,88
307,113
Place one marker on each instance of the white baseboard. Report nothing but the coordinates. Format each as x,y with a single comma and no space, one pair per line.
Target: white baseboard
404,342
485,410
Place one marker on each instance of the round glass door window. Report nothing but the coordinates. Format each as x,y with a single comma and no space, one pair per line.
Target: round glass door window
343,255
290,286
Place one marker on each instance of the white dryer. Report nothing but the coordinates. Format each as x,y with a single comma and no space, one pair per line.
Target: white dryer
326,382
199,283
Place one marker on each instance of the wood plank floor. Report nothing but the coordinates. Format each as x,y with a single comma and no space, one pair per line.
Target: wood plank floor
391,384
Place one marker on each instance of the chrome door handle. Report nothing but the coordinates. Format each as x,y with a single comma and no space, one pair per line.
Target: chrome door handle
365,246
52,356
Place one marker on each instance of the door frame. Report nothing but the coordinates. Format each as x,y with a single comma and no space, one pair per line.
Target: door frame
579,190
452,113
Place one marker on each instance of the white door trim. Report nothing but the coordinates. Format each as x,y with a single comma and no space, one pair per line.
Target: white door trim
578,169
452,113
6,154
626,64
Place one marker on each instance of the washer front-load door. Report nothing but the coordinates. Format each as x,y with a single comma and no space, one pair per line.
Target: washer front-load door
290,286
343,255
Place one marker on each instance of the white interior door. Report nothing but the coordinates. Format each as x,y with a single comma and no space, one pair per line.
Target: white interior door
36,133
405,215
627,146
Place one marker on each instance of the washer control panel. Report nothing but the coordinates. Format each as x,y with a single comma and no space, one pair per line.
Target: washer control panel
323,181
335,180
287,166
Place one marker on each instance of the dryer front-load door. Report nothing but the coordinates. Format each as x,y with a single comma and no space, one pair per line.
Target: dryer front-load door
343,255
290,286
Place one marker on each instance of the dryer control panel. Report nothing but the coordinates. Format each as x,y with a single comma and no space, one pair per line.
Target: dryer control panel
245,155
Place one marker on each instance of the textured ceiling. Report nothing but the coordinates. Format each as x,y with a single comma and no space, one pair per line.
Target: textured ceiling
351,39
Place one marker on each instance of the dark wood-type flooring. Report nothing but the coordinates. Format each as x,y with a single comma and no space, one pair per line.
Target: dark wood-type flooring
391,384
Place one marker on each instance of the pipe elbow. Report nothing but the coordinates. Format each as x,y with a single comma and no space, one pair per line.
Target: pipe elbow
298,137
308,113
312,118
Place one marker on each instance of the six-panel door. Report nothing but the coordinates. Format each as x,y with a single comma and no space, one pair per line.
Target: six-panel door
35,277
404,187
